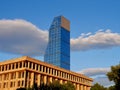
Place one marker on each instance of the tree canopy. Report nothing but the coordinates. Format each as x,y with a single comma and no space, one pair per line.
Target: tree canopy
114,75
55,85
98,87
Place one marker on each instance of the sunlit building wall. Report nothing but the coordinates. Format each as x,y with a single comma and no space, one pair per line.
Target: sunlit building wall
25,71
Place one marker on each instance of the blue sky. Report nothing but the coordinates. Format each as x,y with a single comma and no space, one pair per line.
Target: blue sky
99,19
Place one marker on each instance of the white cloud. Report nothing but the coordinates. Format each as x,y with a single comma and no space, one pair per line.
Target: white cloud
22,37
103,81
100,40
99,75
95,71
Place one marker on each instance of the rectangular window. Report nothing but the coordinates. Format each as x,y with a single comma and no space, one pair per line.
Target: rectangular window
36,66
11,84
23,64
30,65
20,64
22,74
16,65
2,68
22,83
19,75
29,75
12,66
18,83
4,85
33,65
0,85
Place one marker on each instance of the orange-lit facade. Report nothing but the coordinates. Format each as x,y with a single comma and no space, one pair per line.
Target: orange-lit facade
25,71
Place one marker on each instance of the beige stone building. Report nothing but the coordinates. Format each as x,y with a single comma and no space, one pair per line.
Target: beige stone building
24,71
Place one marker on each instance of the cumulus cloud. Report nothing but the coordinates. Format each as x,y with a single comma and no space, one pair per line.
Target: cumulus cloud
95,71
103,81
100,40
22,37
99,75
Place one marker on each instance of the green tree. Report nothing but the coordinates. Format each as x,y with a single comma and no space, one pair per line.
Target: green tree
68,86
111,88
29,88
55,85
114,75
20,89
98,87
43,87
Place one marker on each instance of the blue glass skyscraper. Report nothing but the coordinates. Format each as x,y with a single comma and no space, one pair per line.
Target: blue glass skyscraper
58,49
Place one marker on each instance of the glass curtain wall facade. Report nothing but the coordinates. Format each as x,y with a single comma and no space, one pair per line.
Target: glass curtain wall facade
58,49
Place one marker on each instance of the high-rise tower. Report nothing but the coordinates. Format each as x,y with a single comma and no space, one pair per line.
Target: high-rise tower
58,49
